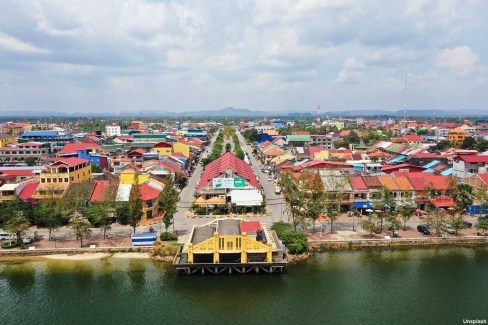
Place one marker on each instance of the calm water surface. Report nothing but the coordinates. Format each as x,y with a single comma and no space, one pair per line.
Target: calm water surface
428,286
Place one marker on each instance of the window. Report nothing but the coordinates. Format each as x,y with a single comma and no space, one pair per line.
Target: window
66,180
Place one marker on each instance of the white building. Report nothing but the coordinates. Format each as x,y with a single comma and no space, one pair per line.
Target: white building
264,128
112,130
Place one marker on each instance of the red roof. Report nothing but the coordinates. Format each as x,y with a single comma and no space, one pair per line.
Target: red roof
71,148
225,162
473,158
417,182
99,191
18,172
484,178
357,183
443,203
413,138
28,191
170,167
148,192
136,152
163,144
300,133
314,150
71,162
250,226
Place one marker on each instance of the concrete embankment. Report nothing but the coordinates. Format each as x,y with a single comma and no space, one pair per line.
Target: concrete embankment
72,251
326,245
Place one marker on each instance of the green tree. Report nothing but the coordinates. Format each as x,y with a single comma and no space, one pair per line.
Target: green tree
394,224
99,216
481,144
17,224
385,204
462,195
135,204
227,147
166,203
31,161
80,225
314,196
294,198
96,169
406,212
436,219
482,225
370,224
122,212
468,143
457,224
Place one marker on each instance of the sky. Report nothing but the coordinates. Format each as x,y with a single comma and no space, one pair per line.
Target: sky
273,55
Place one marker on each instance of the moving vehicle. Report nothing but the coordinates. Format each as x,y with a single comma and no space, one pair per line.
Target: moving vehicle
424,229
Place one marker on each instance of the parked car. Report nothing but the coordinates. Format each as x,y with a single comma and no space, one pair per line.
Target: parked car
447,228
277,190
270,178
424,229
6,236
468,224
27,239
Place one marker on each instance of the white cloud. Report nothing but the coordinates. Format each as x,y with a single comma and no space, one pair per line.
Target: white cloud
266,54
12,44
461,60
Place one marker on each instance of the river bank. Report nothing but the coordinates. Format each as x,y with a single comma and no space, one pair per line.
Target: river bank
326,245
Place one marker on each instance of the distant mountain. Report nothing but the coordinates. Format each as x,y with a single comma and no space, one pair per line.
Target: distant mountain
244,112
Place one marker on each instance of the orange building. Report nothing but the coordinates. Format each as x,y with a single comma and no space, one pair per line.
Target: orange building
457,135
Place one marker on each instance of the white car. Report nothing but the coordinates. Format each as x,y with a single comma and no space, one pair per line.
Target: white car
270,178
27,239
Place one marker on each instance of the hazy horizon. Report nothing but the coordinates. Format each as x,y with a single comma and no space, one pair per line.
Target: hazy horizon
270,56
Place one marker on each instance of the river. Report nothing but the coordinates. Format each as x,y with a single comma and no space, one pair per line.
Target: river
428,286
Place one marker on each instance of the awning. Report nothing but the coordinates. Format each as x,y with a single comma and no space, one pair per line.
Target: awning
246,197
443,203
362,205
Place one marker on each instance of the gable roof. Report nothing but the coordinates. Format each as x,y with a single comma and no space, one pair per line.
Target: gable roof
225,162
70,162
28,190
72,148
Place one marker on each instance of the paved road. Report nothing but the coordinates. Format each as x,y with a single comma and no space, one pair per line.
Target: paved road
275,203
181,220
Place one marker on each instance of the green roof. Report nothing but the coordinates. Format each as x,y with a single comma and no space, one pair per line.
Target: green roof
149,136
300,138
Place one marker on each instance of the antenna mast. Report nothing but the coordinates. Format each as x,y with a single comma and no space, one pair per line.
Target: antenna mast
405,98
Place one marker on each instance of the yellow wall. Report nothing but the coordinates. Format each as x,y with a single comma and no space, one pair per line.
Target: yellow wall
181,132
81,175
4,142
162,151
321,155
128,177
182,148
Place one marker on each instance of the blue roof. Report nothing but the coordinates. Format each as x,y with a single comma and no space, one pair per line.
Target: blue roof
42,133
430,170
432,164
447,172
145,235
396,159
358,167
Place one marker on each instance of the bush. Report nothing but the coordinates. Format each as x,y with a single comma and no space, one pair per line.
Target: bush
10,245
168,236
163,249
281,228
296,242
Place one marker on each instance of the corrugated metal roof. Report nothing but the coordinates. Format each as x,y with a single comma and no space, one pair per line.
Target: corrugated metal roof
123,193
